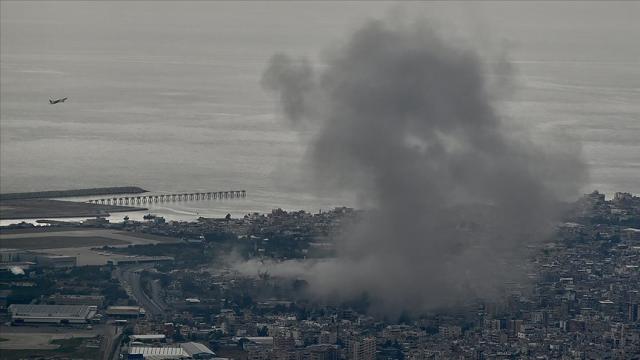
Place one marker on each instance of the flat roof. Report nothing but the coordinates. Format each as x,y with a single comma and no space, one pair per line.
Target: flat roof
263,340
147,336
194,348
50,311
188,349
157,350
125,310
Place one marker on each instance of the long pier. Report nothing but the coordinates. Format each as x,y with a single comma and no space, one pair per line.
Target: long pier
148,199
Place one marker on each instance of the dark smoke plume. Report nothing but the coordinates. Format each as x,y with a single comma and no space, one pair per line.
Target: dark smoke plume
404,120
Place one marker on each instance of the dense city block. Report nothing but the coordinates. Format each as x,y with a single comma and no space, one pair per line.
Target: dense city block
187,297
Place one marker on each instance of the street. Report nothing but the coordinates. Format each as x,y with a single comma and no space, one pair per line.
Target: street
129,276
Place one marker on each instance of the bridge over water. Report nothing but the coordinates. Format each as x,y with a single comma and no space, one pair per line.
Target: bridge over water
159,198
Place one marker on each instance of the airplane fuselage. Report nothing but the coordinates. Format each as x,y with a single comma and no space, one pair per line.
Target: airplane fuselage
57,101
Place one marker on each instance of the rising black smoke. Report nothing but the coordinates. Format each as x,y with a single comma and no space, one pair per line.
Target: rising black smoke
403,119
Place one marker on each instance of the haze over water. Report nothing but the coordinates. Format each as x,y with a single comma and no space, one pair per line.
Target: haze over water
167,96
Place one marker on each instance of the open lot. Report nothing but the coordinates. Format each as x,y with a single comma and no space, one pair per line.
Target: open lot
33,341
41,337
65,348
45,208
54,242
56,238
77,242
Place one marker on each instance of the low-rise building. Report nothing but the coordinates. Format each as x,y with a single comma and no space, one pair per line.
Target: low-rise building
57,314
189,350
56,261
125,311
94,300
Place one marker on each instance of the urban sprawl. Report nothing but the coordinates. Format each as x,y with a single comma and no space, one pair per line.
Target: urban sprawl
183,299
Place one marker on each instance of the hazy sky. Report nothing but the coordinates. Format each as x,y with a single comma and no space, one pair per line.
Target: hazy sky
173,88
535,30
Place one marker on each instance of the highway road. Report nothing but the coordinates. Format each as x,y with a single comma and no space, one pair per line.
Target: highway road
156,294
129,276
111,341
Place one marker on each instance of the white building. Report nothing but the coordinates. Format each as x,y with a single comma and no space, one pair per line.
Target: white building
148,338
190,350
57,314
126,311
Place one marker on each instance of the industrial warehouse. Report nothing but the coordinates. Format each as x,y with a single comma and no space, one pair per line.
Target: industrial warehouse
190,350
56,314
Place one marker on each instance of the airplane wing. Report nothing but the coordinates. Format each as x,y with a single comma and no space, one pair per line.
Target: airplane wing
57,100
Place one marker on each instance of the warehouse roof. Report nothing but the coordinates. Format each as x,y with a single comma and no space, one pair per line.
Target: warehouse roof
194,348
53,311
168,352
148,337
185,350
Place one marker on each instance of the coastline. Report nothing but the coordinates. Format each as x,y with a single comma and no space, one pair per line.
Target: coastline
72,193
45,208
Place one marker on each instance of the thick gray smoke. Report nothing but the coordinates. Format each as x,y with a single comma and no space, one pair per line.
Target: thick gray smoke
404,120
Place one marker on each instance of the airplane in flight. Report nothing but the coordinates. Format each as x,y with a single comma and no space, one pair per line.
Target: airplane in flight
57,100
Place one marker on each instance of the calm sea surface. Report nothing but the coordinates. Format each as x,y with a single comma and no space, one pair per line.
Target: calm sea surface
167,96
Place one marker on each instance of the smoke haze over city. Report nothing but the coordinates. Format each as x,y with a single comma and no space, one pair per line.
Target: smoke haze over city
335,180
403,117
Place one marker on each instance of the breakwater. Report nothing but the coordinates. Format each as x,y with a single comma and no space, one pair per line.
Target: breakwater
72,193
127,200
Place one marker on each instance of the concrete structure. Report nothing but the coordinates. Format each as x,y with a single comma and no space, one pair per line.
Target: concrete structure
630,234
190,350
283,341
319,352
197,350
125,311
56,261
140,260
260,340
157,352
17,267
364,349
328,337
93,300
148,199
148,338
10,255
55,314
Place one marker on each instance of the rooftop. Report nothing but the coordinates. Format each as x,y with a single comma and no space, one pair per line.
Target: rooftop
171,352
66,311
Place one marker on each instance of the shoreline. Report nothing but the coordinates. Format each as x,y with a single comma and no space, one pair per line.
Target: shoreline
118,190
45,208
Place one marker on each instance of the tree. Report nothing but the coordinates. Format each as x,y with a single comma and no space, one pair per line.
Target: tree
241,342
177,337
263,331
126,333
218,334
